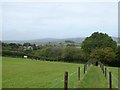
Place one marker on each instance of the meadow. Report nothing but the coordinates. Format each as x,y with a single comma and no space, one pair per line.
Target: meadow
27,73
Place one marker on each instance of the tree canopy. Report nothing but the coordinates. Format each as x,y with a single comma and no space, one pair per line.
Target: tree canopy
103,54
98,40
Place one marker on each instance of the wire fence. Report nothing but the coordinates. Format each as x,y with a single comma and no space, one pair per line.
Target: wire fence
58,83
114,78
73,78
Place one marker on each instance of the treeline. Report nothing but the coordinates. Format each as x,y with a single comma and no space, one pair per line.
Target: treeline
67,53
51,53
97,47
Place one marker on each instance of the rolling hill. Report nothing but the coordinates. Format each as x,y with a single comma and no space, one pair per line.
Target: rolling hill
77,40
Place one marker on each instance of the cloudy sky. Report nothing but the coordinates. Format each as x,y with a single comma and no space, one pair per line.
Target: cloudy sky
25,21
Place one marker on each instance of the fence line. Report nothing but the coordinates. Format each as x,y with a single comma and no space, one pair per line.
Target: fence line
71,74
114,79
105,72
84,74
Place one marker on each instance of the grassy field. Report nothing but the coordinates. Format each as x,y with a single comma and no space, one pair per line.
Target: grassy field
25,73
21,73
115,74
96,79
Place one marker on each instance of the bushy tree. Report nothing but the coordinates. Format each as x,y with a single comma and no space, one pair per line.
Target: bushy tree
105,55
98,40
73,54
68,54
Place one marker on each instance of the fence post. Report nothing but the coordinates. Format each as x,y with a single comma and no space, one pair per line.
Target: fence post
78,73
105,72
103,68
84,69
110,80
66,81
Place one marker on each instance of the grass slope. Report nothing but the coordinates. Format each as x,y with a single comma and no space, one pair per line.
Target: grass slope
21,73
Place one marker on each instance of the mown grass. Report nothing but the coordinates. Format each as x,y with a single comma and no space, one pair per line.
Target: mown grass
94,78
21,73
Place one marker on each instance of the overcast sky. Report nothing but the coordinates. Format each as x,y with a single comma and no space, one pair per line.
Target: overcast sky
25,21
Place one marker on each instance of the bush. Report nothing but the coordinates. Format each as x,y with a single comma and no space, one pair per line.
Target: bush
12,53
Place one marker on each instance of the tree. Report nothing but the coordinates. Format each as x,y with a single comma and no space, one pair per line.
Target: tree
105,55
68,54
73,54
26,44
118,56
49,52
34,47
98,40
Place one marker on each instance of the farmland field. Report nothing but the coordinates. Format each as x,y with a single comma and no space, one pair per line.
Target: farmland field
26,73
21,73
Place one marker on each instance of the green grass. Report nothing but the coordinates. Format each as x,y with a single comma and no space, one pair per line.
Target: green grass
94,78
21,73
26,73
114,71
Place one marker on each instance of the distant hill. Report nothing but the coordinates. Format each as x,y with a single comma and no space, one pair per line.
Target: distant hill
48,40
77,40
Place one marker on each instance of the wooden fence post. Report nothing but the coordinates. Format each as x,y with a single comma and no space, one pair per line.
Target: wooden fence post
110,80
78,73
84,69
103,68
105,72
66,81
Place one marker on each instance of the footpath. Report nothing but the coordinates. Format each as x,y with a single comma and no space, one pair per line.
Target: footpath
94,78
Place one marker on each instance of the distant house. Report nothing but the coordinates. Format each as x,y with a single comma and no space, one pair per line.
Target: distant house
27,48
